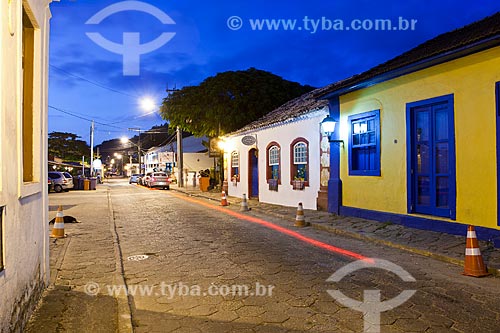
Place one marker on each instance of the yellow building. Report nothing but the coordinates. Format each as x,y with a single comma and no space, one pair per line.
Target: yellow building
421,136
24,249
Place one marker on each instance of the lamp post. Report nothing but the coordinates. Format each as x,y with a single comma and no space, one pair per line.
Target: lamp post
119,157
126,140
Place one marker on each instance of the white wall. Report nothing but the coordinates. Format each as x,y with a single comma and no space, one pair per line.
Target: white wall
25,216
308,128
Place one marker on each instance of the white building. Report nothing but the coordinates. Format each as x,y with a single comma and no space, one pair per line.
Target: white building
281,158
164,158
24,250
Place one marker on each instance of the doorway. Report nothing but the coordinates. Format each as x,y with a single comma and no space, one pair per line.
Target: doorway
431,157
253,173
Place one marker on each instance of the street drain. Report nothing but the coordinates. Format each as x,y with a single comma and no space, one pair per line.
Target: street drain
138,257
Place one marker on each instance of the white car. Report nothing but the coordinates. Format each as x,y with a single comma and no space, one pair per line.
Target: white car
157,179
61,181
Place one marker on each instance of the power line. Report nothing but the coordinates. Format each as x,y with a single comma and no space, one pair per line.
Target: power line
83,118
93,82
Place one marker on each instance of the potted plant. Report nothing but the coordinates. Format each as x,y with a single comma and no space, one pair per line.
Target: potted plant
298,182
273,184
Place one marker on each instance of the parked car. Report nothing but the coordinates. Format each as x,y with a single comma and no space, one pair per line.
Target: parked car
157,179
49,185
61,181
134,178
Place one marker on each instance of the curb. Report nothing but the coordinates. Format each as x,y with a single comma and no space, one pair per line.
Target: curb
124,310
333,230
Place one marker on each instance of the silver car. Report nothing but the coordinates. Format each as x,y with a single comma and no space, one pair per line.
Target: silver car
61,181
157,179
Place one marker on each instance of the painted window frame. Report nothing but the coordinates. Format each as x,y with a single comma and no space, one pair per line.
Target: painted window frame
235,167
2,265
294,166
269,166
30,121
353,119
497,110
452,157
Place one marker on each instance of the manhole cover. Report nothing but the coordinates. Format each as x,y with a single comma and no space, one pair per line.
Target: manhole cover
138,257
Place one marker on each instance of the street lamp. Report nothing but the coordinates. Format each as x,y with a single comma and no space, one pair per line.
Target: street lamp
119,157
126,140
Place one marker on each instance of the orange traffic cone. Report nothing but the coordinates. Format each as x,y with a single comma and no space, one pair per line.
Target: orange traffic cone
474,264
223,200
299,219
58,228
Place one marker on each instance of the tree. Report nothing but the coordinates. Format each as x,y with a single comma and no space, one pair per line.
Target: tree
228,101
67,147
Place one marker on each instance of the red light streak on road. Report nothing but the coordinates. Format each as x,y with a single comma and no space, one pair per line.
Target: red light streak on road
278,228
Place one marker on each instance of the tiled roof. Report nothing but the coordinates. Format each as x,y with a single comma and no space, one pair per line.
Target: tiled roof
487,28
484,29
289,111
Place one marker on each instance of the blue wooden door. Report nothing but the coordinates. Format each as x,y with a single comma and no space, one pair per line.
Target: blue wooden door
432,159
254,173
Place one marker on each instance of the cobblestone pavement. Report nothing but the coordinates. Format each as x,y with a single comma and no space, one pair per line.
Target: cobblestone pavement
441,246
196,254
87,254
192,246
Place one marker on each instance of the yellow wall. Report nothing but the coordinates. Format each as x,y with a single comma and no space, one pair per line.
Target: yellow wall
472,81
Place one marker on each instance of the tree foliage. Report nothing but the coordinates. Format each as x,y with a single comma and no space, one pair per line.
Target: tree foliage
228,101
67,146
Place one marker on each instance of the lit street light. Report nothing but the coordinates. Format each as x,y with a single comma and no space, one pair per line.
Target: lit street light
126,140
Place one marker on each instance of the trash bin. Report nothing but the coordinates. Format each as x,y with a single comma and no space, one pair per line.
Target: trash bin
75,184
204,183
93,183
86,184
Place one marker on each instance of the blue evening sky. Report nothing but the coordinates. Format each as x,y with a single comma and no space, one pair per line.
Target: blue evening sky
204,45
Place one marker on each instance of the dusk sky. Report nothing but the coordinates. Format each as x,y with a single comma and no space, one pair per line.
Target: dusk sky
203,38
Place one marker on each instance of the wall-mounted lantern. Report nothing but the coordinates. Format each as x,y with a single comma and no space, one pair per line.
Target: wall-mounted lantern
328,127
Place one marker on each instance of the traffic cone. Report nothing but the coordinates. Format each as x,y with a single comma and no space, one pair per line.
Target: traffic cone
58,228
474,264
299,219
244,203
223,200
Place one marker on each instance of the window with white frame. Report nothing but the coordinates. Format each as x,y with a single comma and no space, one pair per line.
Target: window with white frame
299,160
273,162
235,166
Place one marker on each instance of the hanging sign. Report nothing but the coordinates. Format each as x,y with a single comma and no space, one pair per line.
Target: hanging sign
248,140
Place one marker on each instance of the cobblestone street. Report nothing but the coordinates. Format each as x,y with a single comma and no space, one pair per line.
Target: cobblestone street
182,257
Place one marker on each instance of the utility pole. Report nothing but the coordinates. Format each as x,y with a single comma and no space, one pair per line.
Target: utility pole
137,129
91,149
180,161
180,153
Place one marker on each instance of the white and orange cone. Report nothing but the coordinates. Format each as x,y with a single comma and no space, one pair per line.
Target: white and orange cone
58,228
244,204
300,220
474,264
223,199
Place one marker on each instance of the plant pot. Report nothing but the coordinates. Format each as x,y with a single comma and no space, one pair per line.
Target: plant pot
273,185
298,184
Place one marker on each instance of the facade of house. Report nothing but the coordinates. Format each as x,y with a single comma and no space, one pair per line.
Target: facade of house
24,256
278,158
421,136
195,158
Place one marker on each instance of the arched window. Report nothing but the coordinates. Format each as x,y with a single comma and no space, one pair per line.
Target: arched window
299,160
235,166
273,162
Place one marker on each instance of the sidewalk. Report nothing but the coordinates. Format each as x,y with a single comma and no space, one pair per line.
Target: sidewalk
87,254
440,246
